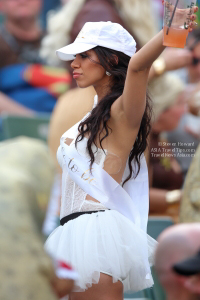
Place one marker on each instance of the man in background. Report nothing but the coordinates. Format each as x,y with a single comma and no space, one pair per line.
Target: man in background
187,134
175,244
20,38
20,34
28,87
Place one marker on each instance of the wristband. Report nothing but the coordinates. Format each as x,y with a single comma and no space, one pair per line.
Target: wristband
159,66
173,196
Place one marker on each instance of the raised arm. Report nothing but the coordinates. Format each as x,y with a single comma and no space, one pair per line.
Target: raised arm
143,59
133,100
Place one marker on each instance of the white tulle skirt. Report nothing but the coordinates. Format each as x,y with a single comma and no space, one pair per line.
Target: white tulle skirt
105,242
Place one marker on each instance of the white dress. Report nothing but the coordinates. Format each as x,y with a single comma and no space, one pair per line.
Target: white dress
103,242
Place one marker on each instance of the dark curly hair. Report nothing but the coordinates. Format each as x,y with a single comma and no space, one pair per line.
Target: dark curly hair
96,122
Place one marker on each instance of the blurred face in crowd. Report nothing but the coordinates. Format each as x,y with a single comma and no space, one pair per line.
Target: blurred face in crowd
175,244
194,70
169,118
21,9
87,71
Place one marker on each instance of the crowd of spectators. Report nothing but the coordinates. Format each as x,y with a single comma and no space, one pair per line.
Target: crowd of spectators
28,86
32,83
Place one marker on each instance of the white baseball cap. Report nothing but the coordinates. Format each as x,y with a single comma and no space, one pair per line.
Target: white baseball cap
106,34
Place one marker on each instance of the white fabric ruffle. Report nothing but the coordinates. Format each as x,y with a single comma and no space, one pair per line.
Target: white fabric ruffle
105,242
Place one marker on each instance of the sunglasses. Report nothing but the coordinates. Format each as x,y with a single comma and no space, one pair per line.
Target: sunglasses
195,61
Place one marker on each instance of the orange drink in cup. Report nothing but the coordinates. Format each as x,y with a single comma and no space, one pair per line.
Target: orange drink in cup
176,37
176,21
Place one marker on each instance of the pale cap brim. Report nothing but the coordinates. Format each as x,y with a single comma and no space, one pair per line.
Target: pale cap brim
68,52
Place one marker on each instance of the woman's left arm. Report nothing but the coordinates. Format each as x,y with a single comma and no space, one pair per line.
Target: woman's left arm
133,100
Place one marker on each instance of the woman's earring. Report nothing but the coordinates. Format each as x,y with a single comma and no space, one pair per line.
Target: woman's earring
107,73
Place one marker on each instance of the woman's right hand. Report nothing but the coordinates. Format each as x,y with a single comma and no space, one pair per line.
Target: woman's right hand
181,15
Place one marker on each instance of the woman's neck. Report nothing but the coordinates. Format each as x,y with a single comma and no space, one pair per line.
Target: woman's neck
102,90
27,30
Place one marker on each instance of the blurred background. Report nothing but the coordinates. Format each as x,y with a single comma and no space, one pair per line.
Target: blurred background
39,101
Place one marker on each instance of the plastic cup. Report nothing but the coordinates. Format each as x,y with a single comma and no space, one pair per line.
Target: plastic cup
176,21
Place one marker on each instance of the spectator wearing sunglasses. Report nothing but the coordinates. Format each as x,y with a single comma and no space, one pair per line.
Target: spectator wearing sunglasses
188,129
176,243
194,46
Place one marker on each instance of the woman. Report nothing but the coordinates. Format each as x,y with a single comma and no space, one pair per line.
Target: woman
104,206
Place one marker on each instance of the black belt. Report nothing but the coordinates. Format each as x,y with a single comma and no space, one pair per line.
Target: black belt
76,215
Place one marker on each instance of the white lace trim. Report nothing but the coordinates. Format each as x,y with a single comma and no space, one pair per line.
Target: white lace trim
74,198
